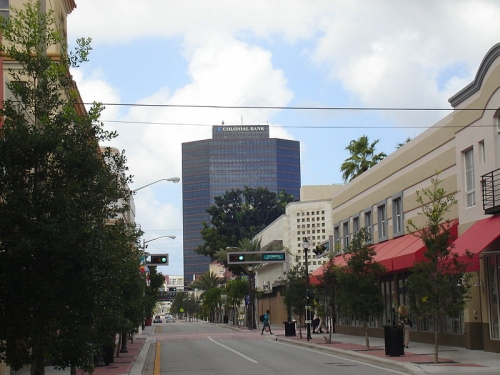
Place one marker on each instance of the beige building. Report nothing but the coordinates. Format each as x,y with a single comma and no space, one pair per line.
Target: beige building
309,218
464,148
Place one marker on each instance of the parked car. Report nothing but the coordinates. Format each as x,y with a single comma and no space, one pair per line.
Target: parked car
157,319
170,319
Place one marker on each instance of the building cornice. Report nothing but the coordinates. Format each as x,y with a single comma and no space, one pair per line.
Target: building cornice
475,85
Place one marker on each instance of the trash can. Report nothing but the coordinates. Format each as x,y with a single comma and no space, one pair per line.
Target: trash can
109,355
289,328
394,342
226,319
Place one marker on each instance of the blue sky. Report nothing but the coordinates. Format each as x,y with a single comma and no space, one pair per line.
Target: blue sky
270,53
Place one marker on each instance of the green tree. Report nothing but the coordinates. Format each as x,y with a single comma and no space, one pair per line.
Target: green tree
240,214
359,291
401,144
245,245
236,291
210,283
439,284
362,157
294,293
57,193
327,292
152,291
207,281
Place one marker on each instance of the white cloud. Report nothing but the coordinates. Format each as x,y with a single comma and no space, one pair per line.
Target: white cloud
381,53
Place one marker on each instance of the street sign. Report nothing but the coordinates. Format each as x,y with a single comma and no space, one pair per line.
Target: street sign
273,256
256,257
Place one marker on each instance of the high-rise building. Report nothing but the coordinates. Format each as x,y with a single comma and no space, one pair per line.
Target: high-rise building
235,157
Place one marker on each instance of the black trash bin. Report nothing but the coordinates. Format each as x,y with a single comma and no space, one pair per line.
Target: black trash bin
289,328
226,319
394,342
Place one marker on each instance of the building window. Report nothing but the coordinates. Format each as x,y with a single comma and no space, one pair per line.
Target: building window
345,233
470,191
382,221
498,136
4,8
397,215
336,237
369,224
492,263
482,152
355,224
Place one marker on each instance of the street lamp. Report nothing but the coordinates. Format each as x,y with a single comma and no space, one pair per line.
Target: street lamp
175,180
305,246
144,242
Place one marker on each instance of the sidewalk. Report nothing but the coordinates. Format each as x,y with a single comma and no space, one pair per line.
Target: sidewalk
131,363
417,359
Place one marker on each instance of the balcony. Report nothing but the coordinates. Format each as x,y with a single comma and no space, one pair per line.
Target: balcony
490,183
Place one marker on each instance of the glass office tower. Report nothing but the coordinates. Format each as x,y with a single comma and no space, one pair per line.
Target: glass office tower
235,157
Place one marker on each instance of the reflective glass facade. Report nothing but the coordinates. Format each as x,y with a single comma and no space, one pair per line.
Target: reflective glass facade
235,157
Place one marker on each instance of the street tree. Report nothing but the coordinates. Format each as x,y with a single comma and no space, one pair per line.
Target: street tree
210,284
439,285
362,157
152,290
359,292
327,293
236,291
294,293
57,195
245,245
240,214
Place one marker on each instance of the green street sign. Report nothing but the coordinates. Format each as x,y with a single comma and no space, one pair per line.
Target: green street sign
273,256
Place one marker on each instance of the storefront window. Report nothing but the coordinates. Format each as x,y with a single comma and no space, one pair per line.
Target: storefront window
492,263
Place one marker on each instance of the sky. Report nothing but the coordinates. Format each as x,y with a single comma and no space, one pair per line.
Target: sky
322,72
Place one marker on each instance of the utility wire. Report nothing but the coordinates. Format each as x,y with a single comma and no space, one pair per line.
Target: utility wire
294,126
289,108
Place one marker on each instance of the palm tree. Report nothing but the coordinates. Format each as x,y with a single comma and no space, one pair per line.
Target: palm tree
209,282
362,158
401,144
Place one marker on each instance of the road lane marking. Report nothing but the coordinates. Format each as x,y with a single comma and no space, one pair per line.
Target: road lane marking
156,370
344,358
232,350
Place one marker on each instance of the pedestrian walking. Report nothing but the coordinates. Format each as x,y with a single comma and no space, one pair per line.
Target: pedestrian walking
266,324
406,323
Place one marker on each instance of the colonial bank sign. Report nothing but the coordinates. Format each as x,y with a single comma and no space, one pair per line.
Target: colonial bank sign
241,129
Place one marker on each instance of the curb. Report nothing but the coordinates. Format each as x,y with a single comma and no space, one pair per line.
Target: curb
407,368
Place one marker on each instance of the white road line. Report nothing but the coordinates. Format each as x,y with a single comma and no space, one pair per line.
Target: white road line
344,358
232,350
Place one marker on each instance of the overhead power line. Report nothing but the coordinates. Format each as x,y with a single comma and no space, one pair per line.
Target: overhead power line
295,126
284,107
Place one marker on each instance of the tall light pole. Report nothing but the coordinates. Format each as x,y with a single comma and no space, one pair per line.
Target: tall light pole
305,246
144,242
175,180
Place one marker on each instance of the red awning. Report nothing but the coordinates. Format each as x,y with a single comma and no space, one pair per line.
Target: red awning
396,255
477,238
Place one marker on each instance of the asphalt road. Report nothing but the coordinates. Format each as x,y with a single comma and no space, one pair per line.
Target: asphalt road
201,348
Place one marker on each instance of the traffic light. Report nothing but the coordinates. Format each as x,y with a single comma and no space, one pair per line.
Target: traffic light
161,259
235,258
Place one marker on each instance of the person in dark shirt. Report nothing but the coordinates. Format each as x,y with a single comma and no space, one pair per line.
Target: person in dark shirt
266,323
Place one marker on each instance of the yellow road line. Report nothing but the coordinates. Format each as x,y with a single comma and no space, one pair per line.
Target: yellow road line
156,370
